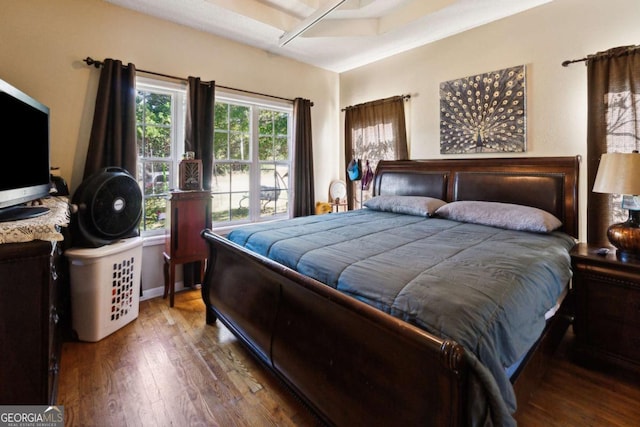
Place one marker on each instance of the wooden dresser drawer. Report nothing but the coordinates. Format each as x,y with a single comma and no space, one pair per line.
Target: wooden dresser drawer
614,337
31,319
611,299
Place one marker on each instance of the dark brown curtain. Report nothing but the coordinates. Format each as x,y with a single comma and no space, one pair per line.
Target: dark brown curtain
613,118
199,125
304,197
199,139
374,131
113,133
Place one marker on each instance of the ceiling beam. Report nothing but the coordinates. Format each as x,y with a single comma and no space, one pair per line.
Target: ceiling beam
410,12
259,11
309,22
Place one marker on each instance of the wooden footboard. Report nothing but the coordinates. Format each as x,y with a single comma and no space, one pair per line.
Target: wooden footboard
352,364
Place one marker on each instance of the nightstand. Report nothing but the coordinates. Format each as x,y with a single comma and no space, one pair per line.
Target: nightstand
607,311
188,213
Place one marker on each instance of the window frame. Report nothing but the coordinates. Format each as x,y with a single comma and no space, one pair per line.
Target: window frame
255,104
178,91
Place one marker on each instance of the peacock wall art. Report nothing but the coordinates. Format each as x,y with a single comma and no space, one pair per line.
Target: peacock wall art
485,113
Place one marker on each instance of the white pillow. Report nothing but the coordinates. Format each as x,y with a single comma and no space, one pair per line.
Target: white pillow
411,205
502,215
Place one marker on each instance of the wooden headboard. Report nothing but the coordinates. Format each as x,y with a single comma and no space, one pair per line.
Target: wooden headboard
548,183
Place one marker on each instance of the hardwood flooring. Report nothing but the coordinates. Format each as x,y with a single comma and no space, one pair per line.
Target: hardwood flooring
572,395
168,368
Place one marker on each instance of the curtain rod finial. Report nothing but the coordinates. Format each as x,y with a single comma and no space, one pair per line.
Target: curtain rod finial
90,61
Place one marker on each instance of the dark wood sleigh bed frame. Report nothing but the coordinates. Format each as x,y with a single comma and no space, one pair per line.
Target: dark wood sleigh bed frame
353,364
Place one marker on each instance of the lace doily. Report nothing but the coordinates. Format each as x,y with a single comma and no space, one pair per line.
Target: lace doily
45,227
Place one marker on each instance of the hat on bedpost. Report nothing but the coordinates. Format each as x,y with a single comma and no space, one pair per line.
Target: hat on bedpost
354,170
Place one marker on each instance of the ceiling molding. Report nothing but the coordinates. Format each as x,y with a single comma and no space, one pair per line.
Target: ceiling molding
331,34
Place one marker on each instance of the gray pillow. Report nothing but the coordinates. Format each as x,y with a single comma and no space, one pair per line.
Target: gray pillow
502,215
411,205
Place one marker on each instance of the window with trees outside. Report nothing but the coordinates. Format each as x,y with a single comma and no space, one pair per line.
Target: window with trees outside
252,145
160,116
251,161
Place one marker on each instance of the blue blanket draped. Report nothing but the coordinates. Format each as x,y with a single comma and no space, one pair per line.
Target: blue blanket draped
486,288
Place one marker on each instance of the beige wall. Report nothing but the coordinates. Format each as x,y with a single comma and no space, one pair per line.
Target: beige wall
541,39
43,42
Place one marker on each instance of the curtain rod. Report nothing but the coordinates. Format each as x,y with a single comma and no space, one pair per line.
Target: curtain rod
405,97
90,61
616,51
571,61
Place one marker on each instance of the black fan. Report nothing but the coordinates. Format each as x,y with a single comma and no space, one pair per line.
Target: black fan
109,208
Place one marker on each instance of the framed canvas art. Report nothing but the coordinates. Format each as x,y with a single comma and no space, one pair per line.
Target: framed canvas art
485,113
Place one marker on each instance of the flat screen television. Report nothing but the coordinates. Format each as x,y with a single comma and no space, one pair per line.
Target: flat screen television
24,144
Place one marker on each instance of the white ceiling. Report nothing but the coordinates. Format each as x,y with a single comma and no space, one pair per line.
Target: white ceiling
355,33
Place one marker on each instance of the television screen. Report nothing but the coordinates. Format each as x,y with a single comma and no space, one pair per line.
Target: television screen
24,140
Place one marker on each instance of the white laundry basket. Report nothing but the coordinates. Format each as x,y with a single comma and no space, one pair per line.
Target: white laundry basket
105,287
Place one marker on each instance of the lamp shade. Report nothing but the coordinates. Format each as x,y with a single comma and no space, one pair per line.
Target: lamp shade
618,173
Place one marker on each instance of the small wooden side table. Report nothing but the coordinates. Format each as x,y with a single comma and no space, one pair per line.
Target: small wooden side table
188,213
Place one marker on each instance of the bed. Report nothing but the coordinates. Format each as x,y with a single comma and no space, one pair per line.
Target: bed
332,308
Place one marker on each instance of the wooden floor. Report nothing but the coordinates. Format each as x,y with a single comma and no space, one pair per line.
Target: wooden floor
168,368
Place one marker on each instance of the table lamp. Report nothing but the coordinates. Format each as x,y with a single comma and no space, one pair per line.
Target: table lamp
619,173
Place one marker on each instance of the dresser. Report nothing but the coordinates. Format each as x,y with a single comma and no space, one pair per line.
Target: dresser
607,297
188,213
33,305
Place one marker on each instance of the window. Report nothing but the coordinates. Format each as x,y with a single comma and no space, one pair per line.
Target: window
375,131
622,120
160,112
252,148
613,88
251,161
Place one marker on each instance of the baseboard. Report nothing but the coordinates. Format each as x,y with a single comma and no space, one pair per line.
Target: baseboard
158,291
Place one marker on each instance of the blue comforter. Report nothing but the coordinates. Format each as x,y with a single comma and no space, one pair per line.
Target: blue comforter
487,288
